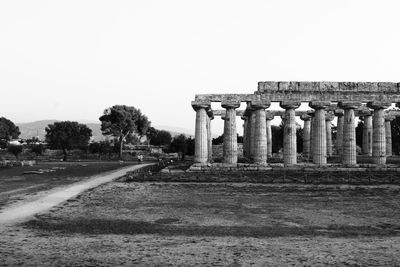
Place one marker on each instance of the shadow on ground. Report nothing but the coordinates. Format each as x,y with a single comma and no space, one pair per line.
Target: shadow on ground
163,227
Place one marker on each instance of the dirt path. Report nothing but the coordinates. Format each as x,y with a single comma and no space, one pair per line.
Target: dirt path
23,211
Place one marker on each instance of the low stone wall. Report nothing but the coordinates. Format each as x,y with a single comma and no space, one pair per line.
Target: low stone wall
15,163
282,176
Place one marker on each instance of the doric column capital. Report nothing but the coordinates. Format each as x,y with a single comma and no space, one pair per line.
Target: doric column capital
230,104
329,117
389,117
199,105
260,104
378,105
311,113
269,115
339,112
290,104
349,104
305,117
364,113
319,104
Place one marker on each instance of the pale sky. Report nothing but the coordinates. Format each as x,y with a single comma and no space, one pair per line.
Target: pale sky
69,60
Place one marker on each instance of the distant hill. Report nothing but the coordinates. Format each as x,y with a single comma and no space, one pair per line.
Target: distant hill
37,128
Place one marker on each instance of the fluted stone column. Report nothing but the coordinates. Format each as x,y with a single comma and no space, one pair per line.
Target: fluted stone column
306,135
328,121
269,117
367,134
252,143
339,113
289,132
311,135
230,134
319,132
210,117
244,118
388,133
349,156
378,132
260,135
201,143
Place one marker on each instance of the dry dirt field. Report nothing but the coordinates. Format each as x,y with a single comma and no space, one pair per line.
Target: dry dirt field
16,186
205,224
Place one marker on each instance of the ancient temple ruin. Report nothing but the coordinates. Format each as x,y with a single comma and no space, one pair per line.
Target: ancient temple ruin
344,100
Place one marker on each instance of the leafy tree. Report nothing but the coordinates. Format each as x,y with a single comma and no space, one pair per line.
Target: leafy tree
37,149
8,131
15,150
277,138
179,144
219,140
359,133
101,148
122,122
158,137
190,144
67,135
395,126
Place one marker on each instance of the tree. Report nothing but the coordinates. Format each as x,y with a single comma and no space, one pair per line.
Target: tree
37,149
395,127
8,131
15,150
122,122
219,140
158,137
67,135
179,144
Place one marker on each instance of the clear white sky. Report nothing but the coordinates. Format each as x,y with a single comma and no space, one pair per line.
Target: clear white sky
69,60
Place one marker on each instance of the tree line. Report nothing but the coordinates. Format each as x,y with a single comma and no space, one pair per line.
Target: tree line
121,124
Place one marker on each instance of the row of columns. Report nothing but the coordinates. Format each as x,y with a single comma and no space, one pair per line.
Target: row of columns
316,134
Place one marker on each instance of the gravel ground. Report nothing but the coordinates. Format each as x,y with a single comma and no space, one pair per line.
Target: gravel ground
213,224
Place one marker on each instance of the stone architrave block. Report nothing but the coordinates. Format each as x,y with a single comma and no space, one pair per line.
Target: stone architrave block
308,86
367,87
288,86
347,86
267,86
329,87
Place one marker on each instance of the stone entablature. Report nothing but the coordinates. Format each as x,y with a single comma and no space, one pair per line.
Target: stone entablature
315,91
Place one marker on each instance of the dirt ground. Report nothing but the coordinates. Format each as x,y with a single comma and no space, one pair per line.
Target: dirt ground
185,224
16,186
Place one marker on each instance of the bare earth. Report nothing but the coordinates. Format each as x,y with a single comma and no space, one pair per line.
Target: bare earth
213,224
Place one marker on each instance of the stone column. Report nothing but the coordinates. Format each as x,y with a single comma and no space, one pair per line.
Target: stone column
289,132
339,131
306,135
311,135
328,121
230,134
201,142
367,133
388,133
349,156
378,132
260,135
244,118
210,117
319,132
269,117
252,142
